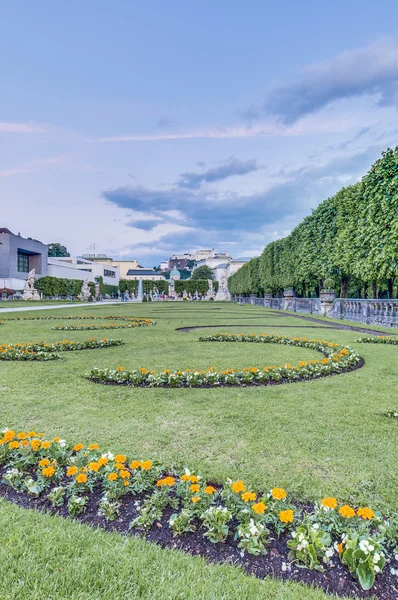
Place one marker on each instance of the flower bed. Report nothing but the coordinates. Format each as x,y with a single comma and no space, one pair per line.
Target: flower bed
338,359
40,351
378,339
134,323
82,317
330,537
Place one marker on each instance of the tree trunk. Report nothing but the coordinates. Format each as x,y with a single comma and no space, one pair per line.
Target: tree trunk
344,286
389,288
374,290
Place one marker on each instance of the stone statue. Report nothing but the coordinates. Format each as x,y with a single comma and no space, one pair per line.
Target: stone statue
30,293
210,292
85,293
223,291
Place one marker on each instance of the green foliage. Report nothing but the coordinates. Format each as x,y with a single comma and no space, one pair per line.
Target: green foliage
105,288
129,285
364,557
203,272
57,286
191,286
56,249
351,237
328,284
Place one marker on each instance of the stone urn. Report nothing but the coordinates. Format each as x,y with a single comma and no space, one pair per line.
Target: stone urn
288,295
267,299
327,297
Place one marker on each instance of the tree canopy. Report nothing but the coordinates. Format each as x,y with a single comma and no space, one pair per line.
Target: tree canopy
57,249
202,272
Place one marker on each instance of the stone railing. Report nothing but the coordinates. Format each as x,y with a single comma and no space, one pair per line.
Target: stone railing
381,312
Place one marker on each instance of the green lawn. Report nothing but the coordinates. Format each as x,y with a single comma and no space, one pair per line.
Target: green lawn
315,438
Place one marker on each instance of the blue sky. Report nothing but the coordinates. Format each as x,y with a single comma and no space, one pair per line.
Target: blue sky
159,127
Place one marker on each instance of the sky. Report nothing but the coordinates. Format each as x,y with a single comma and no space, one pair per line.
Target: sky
142,129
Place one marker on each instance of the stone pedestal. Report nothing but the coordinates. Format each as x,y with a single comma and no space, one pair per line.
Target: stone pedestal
288,296
327,298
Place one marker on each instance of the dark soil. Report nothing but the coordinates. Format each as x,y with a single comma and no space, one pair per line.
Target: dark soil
275,563
359,365
187,329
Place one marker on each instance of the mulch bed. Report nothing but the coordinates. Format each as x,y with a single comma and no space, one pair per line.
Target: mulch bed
276,564
282,381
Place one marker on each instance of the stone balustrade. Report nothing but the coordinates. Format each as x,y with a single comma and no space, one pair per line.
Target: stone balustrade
381,312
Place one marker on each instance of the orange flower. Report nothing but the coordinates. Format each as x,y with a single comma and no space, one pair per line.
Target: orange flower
48,471
248,496
195,487
329,502
25,443
259,508
119,466
71,471
44,462
120,458
135,464
209,489
238,486
93,447
146,465
286,516
195,499
365,513
166,481
278,493
14,445
35,444
32,433
124,474
93,466
57,439
126,482
347,512
340,548
78,447
81,478
22,435
45,445
112,476
119,368
9,435
102,461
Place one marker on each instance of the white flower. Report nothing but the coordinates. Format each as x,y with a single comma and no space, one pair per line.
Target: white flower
315,526
108,455
377,569
376,557
371,548
329,552
62,443
364,546
294,534
284,567
304,543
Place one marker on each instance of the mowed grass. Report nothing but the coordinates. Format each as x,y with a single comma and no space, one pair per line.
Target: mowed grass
314,438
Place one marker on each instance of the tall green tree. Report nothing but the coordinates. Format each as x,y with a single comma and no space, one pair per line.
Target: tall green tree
57,249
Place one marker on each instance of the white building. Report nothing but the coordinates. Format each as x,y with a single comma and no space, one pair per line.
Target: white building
144,275
233,265
76,267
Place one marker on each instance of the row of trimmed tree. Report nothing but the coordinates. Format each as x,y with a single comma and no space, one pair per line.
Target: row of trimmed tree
351,238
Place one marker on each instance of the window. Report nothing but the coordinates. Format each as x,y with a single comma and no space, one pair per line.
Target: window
23,262
108,273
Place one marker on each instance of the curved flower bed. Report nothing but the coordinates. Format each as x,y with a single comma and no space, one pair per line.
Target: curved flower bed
70,477
338,359
137,320
40,351
379,339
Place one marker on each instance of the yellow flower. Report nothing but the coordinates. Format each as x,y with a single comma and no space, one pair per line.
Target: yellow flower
209,489
195,499
278,493
119,466
238,486
124,474
48,471
329,502
14,445
32,433
71,471
44,462
57,439
93,447
22,435
248,496
119,368
347,512
195,487
167,481
259,508
112,476
135,464
102,461
81,478
25,443
45,445
93,466
78,447
9,435
120,458
286,516
365,513
146,465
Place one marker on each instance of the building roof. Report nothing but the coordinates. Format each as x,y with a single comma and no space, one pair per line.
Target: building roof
174,272
222,266
5,230
141,272
241,259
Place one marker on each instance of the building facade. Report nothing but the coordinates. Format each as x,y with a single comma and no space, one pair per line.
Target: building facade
18,256
77,267
144,274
